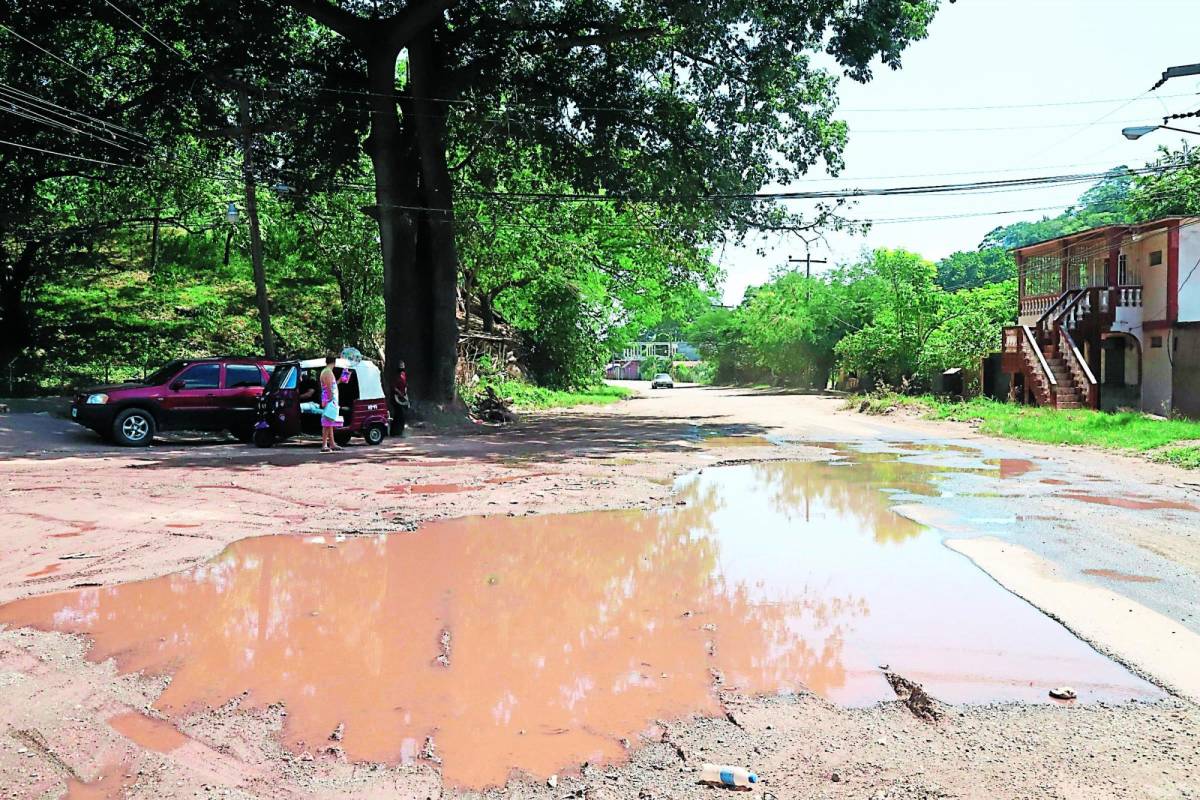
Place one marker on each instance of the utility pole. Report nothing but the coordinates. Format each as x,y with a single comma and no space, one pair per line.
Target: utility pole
808,262
260,276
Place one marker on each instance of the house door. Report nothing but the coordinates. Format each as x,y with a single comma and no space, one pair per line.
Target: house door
1114,361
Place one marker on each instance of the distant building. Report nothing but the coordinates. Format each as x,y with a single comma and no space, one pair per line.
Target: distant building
627,367
1110,318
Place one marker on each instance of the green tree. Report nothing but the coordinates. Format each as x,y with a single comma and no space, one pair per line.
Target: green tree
684,99
971,269
1173,191
1102,204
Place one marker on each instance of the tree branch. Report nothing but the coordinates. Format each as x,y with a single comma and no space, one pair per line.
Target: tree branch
340,21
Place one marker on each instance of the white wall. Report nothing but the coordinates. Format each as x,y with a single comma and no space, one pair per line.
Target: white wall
1156,373
1189,271
1154,279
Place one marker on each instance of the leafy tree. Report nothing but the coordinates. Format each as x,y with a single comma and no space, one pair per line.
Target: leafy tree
721,339
1102,204
792,325
686,99
971,269
1174,191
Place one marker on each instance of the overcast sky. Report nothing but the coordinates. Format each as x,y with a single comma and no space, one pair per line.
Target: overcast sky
1047,53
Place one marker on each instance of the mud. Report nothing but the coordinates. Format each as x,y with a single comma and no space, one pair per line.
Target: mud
536,643
129,508
1117,575
1131,503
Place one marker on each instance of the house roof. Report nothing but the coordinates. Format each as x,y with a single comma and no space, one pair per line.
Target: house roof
1094,232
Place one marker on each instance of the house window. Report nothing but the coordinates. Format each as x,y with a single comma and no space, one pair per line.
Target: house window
1156,341
1155,257
1122,270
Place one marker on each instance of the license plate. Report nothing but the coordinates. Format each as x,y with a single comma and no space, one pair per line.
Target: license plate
74,413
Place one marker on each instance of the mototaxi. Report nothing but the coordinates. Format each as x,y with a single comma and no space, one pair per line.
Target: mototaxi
284,411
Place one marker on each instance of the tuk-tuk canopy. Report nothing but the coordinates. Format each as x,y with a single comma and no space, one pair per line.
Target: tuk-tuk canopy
370,382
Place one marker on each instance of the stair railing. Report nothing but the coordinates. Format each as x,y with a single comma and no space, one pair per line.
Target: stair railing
1035,360
1080,371
1054,307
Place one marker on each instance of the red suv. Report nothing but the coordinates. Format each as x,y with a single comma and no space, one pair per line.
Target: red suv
205,394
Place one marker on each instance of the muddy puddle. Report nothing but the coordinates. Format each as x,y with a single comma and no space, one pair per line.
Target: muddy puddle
538,643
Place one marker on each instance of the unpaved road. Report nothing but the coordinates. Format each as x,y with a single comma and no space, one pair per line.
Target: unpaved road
1126,577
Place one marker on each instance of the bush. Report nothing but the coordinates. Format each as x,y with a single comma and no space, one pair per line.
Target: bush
652,366
702,372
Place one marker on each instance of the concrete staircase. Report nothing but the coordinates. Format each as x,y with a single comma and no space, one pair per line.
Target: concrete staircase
1065,392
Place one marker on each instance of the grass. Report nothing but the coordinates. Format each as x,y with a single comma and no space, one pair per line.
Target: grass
1186,457
526,395
1124,430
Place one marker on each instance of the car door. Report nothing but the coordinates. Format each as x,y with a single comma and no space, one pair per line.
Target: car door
238,398
190,402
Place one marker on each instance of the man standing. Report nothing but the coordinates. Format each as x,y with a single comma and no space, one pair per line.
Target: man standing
399,400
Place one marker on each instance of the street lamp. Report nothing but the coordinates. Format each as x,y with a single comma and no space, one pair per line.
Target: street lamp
1138,131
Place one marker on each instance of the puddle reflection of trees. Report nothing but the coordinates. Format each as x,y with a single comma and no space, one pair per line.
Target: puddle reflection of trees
851,490
566,633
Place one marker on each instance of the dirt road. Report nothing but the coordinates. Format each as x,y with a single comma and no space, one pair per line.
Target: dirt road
1107,545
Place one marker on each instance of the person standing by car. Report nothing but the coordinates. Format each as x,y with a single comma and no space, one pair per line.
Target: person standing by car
399,399
330,418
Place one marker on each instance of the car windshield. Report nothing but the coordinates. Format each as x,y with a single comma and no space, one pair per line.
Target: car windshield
164,372
662,376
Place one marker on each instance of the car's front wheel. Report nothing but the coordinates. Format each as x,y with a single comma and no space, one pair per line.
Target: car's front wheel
342,437
133,427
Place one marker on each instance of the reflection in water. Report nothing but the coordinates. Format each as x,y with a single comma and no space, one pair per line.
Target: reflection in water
541,642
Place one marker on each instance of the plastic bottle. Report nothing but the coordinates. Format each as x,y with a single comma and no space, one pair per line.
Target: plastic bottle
728,776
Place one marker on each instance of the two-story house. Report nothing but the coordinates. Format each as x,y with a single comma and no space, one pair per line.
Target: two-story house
1110,318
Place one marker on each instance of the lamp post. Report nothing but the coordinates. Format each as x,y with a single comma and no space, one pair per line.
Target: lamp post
1138,131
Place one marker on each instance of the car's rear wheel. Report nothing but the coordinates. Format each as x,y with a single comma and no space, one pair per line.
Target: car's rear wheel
374,434
133,427
243,435
263,437
342,437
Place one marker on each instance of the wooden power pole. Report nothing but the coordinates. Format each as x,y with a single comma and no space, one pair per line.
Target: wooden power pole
256,257
808,262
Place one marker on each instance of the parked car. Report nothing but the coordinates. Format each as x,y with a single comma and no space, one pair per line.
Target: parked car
203,394
662,381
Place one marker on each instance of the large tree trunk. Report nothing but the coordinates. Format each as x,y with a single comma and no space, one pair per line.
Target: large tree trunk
395,183
441,267
14,317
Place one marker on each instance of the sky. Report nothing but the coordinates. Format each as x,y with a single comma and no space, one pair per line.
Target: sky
1050,57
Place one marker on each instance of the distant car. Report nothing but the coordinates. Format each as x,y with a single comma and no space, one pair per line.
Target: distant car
662,381
203,394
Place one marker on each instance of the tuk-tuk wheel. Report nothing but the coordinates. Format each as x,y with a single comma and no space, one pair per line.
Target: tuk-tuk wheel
263,437
342,437
374,434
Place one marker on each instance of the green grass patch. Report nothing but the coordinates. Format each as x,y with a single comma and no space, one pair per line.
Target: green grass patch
1186,457
526,395
1124,430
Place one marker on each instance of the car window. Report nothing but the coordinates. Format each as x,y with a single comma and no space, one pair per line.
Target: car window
201,376
239,376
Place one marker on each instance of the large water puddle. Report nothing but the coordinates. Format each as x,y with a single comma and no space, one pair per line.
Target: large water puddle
541,642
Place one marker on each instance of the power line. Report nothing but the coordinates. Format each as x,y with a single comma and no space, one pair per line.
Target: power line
66,155
92,78
35,117
1052,104
146,31
48,107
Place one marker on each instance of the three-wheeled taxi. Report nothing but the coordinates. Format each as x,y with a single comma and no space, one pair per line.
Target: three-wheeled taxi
289,405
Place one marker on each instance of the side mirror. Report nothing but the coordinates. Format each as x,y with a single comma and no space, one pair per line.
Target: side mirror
177,385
